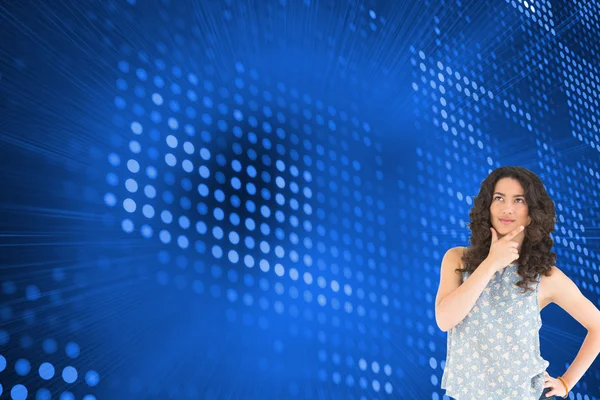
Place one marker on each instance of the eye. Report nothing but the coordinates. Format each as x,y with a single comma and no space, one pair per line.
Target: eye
521,200
497,197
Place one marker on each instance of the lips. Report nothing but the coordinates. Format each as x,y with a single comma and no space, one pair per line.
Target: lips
507,221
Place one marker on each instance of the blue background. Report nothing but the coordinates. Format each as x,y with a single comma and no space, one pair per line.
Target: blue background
251,199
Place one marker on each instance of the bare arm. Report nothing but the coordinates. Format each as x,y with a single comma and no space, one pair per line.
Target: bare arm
453,306
454,300
565,293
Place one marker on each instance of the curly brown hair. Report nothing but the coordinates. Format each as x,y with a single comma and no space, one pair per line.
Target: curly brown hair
535,256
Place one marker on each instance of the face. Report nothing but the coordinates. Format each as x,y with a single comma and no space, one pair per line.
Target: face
509,208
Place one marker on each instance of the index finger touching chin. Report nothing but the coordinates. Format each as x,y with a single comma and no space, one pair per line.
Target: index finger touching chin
515,232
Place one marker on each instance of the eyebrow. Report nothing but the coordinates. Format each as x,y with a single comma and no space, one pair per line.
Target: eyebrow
516,195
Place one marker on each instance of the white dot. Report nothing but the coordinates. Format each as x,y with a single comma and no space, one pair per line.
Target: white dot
172,141
136,128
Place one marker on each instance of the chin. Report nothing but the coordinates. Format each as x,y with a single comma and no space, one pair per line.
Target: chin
505,229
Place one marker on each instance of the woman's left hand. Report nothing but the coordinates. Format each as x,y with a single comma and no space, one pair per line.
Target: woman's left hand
558,389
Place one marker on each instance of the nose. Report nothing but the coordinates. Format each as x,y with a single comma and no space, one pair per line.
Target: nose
507,212
508,209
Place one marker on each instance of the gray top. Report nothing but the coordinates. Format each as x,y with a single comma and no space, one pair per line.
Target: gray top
494,352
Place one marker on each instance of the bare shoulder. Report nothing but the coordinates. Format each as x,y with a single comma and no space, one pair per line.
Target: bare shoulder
553,280
459,251
453,258
548,285
455,253
450,279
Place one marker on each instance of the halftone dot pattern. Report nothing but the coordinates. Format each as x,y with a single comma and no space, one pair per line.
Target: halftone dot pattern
582,87
191,176
66,396
69,374
576,214
583,21
19,392
251,195
438,85
528,114
540,12
22,367
170,159
456,100
46,371
72,350
483,64
30,372
576,210
43,394
92,378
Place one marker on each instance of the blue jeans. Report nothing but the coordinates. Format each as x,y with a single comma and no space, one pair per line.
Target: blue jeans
546,390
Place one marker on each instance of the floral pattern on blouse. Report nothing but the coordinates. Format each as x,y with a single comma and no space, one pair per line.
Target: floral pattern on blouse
494,352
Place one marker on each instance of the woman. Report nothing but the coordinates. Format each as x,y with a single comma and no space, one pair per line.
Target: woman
491,293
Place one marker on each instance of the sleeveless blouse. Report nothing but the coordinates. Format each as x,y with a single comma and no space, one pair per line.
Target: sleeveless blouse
494,352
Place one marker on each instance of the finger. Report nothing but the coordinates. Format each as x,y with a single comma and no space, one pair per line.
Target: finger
510,235
513,244
494,236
